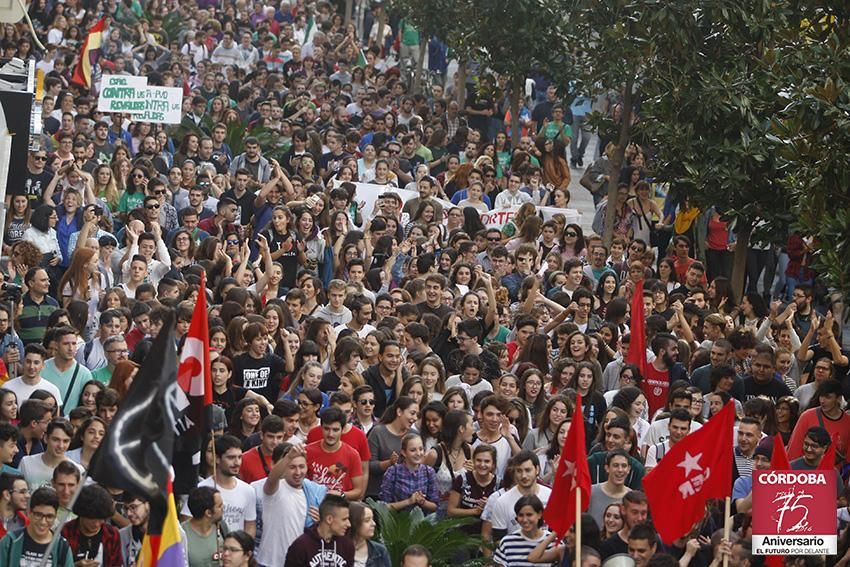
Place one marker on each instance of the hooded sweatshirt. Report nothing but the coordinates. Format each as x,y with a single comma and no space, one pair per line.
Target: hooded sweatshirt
310,550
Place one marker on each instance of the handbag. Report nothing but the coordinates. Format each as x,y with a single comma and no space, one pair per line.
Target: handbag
592,179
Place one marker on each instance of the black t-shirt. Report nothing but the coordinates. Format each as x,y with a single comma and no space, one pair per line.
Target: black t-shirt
225,400
88,547
477,101
245,204
841,373
470,493
32,552
441,311
330,382
289,260
260,375
34,186
774,389
331,162
541,112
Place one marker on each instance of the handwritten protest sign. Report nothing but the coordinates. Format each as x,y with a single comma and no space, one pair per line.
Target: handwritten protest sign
144,103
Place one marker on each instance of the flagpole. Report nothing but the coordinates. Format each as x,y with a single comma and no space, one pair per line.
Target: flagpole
727,526
57,533
578,528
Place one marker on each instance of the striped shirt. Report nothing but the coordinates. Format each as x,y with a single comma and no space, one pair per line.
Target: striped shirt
513,550
743,463
33,320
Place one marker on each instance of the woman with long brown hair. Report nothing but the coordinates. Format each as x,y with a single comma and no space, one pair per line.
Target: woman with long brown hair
82,279
556,171
122,377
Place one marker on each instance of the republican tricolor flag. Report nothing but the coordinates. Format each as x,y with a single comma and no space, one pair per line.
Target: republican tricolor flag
693,471
162,545
89,55
572,480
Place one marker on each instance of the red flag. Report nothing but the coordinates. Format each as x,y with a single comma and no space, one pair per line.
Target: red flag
828,461
637,328
779,459
573,476
193,372
694,470
89,55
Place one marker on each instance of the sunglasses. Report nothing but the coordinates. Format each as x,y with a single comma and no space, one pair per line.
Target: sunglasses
138,176
159,192
233,242
151,207
573,234
495,239
366,402
39,158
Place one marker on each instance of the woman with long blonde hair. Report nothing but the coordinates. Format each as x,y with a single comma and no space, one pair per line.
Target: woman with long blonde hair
105,187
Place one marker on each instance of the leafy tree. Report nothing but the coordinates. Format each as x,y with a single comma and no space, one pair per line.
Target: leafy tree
435,18
612,45
813,133
708,104
512,37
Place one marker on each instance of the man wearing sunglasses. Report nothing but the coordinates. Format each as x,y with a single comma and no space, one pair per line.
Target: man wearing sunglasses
167,213
37,178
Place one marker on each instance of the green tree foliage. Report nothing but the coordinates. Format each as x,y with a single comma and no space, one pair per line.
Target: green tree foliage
709,101
813,132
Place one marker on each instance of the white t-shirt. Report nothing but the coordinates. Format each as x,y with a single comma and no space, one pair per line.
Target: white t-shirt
503,516
284,513
37,473
23,391
240,504
658,431
503,454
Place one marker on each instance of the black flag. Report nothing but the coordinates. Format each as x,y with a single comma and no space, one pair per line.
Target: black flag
136,453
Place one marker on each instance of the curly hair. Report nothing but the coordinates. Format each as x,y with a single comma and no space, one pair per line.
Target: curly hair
28,253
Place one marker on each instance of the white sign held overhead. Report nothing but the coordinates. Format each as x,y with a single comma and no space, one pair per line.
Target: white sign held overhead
131,95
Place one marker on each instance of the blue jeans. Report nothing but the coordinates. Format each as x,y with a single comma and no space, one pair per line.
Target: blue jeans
794,281
580,129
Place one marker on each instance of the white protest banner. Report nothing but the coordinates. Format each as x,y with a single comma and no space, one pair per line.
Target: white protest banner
144,103
369,193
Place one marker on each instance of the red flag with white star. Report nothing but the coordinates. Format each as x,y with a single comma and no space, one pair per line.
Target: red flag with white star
571,479
696,469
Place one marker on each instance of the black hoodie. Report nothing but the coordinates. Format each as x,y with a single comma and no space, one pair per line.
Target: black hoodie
310,550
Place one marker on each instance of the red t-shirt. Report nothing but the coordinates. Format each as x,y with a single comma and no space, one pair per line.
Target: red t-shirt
252,466
353,437
655,386
335,470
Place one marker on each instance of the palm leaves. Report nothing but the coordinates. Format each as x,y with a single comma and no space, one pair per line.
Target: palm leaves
444,539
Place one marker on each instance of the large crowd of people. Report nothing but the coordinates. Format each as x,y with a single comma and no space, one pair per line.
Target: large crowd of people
400,351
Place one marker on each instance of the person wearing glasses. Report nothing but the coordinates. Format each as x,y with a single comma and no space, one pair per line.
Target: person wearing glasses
37,179
167,213
115,350
31,542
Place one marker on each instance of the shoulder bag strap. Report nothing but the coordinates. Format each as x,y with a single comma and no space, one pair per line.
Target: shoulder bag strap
70,387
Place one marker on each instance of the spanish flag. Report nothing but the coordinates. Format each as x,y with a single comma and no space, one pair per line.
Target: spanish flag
89,55
162,545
